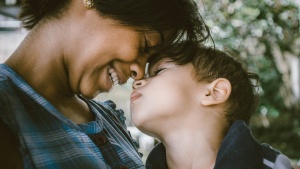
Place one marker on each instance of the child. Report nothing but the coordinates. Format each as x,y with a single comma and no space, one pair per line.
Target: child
200,108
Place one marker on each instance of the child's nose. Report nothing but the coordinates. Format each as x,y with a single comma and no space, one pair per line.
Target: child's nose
137,83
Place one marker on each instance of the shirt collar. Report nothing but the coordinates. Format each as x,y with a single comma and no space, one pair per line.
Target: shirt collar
239,150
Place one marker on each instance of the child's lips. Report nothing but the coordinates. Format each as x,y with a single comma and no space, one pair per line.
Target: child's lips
135,96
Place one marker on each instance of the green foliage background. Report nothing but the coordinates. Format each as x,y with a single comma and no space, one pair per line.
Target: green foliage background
265,33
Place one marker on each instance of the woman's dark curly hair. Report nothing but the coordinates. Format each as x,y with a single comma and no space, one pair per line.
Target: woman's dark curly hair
178,19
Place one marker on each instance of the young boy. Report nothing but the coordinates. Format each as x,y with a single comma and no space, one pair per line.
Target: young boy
200,108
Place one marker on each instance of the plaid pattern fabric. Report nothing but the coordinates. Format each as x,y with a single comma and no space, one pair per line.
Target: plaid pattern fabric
50,140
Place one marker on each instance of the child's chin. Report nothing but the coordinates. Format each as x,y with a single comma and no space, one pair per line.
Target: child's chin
139,124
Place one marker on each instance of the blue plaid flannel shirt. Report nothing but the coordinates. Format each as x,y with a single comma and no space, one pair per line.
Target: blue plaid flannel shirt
50,140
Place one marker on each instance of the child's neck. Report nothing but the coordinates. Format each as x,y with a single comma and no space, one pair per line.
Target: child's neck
193,149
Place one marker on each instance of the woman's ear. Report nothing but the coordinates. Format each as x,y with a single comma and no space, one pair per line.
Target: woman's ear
217,92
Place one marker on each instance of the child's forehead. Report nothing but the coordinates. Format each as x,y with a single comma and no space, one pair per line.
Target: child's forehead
155,58
158,61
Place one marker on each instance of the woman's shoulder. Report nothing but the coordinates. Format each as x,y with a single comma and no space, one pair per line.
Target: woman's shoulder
109,111
10,156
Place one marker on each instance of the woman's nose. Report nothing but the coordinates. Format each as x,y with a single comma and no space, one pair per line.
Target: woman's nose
138,68
137,71
134,74
138,83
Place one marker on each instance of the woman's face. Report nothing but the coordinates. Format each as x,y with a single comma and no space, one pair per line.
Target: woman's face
101,49
163,99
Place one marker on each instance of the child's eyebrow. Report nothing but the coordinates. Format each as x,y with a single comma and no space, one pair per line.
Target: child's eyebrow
150,67
153,59
152,62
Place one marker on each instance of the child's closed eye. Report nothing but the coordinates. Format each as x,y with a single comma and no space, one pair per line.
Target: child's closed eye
155,73
156,68
158,71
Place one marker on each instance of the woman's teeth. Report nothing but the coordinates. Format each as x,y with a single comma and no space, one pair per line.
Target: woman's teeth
113,76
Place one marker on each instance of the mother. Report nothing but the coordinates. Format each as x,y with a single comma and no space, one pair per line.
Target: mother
76,49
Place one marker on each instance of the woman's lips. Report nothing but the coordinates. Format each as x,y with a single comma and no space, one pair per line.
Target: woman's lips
113,76
116,76
134,96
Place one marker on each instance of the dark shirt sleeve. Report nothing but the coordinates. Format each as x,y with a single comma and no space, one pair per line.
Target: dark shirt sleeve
10,156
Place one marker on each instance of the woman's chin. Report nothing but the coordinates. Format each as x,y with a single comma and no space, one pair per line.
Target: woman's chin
90,95
94,93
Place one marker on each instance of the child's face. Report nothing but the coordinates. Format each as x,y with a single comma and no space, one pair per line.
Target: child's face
163,99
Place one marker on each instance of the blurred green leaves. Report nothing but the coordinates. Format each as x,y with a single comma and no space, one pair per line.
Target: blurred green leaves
266,34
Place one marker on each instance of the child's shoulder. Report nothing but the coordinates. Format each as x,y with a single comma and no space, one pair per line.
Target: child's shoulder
274,159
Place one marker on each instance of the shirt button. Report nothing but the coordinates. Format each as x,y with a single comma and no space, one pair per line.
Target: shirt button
123,167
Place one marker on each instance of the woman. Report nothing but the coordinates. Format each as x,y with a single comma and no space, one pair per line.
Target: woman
75,50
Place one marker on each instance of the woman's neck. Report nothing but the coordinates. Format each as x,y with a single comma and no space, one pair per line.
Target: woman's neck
40,62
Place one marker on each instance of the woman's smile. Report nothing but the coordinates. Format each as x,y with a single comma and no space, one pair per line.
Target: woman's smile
113,76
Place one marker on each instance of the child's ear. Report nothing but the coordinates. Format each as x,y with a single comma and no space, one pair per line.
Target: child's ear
217,92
